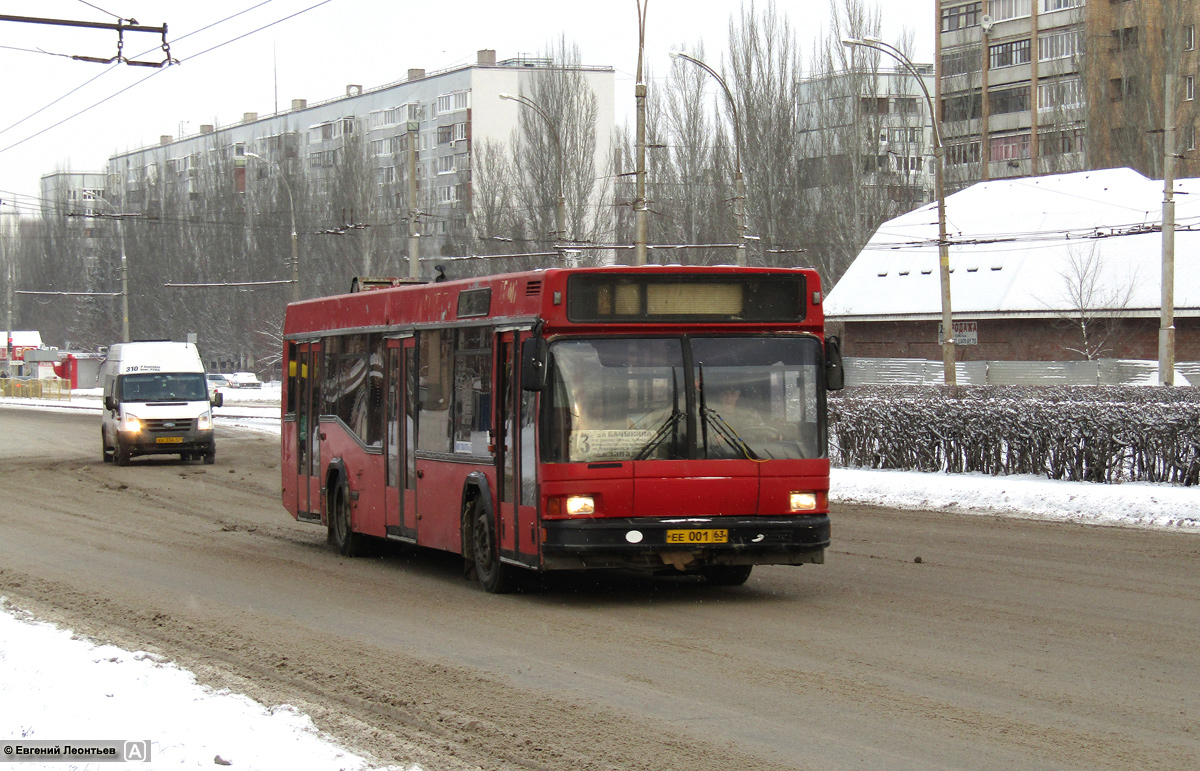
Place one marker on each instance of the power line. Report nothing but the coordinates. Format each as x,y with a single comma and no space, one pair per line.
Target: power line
91,80
156,72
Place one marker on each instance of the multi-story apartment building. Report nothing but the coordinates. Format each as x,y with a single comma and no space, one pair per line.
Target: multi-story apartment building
360,140
870,128
1031,87
73,192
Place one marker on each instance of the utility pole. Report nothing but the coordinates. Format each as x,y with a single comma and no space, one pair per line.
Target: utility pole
8,291
1166,326
414,238
949,371
639,201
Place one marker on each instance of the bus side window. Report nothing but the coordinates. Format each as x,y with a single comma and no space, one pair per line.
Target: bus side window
436,361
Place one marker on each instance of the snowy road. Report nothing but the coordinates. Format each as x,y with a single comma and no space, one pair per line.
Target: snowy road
1009,644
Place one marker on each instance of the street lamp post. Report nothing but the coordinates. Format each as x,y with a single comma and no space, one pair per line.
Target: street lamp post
292,210
560,210
876,44
739,183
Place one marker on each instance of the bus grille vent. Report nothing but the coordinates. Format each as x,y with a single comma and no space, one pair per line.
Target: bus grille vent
533,288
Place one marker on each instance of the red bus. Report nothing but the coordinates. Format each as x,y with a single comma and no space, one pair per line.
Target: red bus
662,418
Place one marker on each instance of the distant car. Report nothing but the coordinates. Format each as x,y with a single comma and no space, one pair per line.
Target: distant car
215,381
244,380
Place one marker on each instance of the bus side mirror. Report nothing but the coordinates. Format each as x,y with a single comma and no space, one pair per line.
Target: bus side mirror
534,352
218,400
110,402
835,376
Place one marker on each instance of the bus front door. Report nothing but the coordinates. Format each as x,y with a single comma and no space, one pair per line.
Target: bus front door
308,441
516,470
399,519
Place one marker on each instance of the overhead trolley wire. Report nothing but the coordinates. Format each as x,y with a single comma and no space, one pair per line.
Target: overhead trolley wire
156,72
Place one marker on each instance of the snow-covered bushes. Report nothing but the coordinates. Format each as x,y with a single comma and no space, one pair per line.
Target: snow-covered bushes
1106,434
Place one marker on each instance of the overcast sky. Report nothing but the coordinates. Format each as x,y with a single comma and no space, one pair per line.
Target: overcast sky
314,55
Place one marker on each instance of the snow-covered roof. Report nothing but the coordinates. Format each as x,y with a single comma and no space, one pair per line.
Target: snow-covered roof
1012,244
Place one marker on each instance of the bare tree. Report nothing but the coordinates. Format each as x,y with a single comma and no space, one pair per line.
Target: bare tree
1092,303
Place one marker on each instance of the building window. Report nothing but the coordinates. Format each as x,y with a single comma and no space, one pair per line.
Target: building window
1189,87
445,164
869,105
961,16
904,135
960,154
1060,142
1125,39
460,132
1060,95
962,107
906,105
443,134
460,100
1189,37
1008,54
1120,89
960,62
1060,5
1013,147
1008,9
1189,138
1009,100
1058,45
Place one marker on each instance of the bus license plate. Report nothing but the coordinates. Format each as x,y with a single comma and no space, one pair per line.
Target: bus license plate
169,440
697,536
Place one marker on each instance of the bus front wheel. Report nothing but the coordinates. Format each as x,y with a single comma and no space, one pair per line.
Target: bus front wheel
494,576
347,542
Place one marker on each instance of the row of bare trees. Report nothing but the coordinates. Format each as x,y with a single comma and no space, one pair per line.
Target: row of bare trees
810,199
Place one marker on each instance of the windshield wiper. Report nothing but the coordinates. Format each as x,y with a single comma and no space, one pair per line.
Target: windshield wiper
667,427
712,418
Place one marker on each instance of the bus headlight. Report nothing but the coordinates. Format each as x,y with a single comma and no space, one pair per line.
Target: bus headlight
204,423
802,501
131,425
579,505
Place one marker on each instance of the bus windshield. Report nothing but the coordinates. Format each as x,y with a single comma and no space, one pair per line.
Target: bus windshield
619,399
163,387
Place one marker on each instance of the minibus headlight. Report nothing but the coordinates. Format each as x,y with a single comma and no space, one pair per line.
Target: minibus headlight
802,501
205,422
579,505
131,425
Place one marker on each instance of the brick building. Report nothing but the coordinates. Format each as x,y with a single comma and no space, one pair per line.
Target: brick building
1033,262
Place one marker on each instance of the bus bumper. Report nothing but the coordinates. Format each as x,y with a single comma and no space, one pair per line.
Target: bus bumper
643,543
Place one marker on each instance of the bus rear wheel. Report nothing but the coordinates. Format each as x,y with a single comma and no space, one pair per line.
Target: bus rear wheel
493,575
347,542
727,575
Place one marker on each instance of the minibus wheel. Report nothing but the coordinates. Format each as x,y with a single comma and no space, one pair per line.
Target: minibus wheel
122,453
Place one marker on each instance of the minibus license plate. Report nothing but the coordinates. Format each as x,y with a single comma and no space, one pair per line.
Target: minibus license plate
697,536
169,440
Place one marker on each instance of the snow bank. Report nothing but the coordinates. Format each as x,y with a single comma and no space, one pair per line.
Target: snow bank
58,687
